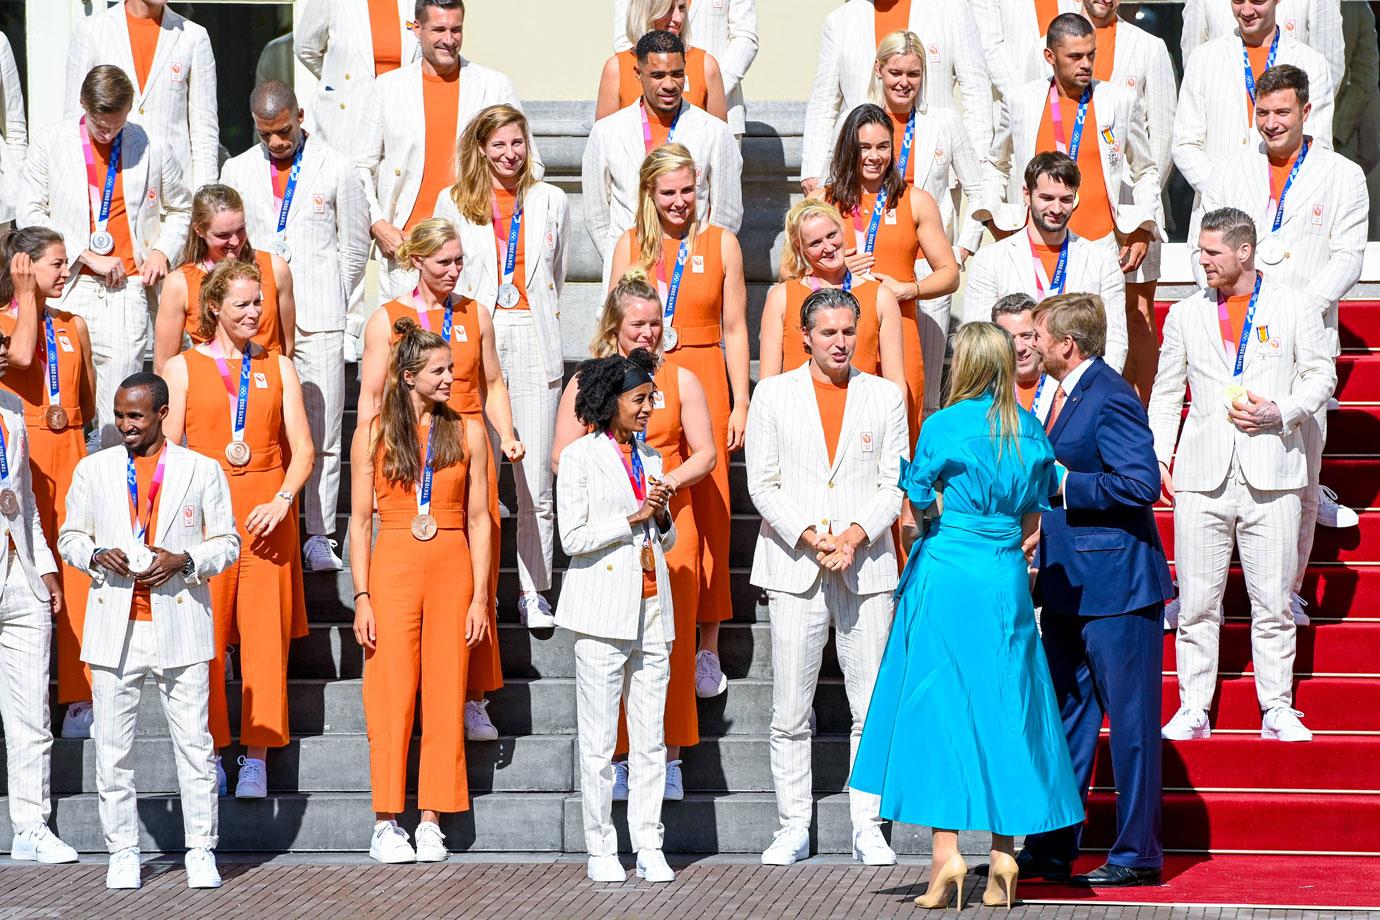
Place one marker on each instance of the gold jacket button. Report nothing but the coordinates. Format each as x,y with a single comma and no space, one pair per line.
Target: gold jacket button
824,522
831,485
100,600
609,566
347,76
141,110
397,172
342,105
179,599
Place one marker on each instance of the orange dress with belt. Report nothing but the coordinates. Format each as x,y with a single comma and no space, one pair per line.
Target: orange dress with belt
698,323
630,88
260,597
467,398
867,356
53,455
420,592
270,334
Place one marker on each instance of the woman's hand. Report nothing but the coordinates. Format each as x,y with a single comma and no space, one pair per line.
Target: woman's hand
513,449
264,518
858,261
22,273
737,428
476,624
366,630
901,290
658,494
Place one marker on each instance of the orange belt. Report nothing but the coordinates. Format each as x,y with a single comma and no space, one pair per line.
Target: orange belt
700,335
446,519
34,417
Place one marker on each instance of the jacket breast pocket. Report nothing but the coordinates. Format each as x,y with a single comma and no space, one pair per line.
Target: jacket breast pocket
1092,541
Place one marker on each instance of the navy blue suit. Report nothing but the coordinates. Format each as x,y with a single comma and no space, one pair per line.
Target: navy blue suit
1102,582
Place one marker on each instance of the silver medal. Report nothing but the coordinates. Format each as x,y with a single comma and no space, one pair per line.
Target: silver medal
670,338
1271,250
140,559
508,296
102,243
281,249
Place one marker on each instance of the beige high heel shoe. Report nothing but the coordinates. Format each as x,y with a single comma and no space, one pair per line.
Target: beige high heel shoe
953,872
1001,877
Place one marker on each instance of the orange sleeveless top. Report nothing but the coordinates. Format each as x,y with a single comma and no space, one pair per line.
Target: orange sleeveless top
270,334
466,395
700,303
397,501
630,89
898,240
30,384
867,356
210,411
663,429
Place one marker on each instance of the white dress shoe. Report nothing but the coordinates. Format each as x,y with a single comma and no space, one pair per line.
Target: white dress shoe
789,845
389,844
253,779
620,780
431,843
675,783
871,849
201,868
1296,605
1188,724
535,612
77,722
605,869
39,844
651,866
709,675
1331,514
1282,724
478,726
123,871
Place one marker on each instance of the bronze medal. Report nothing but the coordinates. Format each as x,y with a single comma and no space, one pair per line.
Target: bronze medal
424,527
9,503
238,453
648,558
55,418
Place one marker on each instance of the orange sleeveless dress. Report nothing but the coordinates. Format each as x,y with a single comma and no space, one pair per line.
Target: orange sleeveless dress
467,398
866,358
270,335
630,89
420,591
53,455
259,601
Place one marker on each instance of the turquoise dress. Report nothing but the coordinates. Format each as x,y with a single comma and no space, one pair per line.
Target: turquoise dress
963,732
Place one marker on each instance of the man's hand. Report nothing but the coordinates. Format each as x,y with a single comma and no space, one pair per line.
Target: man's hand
1030,544
154,269
838,556
111,269
1133,249
165,566
512,449
1166,484
964,254
54,586
113,560
1257,415
388,237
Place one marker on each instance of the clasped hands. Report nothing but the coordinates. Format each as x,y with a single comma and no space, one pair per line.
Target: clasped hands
835,552
165,565
654,505
1257,415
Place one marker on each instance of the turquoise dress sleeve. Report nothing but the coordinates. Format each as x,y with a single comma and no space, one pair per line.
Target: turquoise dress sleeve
919,475
1043,474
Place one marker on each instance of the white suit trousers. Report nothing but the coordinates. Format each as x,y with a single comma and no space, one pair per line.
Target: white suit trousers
635,672
317,358
115,699
118,321
534,400
799,631
1264,526
26,629
1314,429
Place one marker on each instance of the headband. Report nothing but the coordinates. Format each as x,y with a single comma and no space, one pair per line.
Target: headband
633,377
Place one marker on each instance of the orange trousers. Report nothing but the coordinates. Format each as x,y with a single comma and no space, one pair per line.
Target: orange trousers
420,593
486,668
53,455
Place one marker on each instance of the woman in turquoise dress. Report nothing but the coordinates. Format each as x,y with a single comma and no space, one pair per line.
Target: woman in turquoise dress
963,732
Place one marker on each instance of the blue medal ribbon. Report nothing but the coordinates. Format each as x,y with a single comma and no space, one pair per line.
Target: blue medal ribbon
1269,62
424,490
5,460
1240,364
673,288
112,170
291,188
848,281
510,258
1279,208
448,321
54,387
903,158
242,400
1056,281
1076,141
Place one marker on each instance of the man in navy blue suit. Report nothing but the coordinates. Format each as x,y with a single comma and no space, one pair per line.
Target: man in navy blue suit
1102,581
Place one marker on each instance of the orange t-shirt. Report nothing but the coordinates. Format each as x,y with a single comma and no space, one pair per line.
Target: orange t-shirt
1106,52
1258,57
830,399
1049,257
1045,11
441,102
1093,218
141,607
1025,394
386,32
118,223
143,42
648,578
661,126
281,171
891,16
1279,174
506,202
1236,317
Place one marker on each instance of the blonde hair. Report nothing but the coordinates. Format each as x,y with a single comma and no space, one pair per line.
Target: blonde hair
984,364
632,286
793,261
209,201
216,288
1081,317
660,162
426,239
473,188
642,17
896,44
396,431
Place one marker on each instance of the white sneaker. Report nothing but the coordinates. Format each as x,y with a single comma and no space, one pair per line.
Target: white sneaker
318,555
477,724
222,783
504,512
1296,605
1187,725
1331,514
1171,615
77,722
389,844
253,780
39,844
1332,404
605,869
651,866
1282,724
123,871
620,780
229,667
201,868
352,350
535,612
675,784
431,843
709,676
871,848
788,846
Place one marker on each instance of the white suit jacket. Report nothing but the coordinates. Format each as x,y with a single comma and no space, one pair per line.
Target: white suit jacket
392,145
727,29
1316,23
1292,367
16,132
158,203
24,529
178,106
1213,123
794,485
614,154
1010,36
327,227
194,516
1007,267
942,153
333,40
1324,228
545,245
847,58
1128,166
602,591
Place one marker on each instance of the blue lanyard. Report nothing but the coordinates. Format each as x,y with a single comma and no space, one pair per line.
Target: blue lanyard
1076,140
1279,208
448,320
1056,281
848,281
510,257
903,158
639,475
1246,330
291,189
424,493
5,460
242,400
1039,388
111,171
54,387
1269,62
673,289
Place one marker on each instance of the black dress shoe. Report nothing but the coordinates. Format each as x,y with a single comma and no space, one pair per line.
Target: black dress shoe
1033,867
1110,876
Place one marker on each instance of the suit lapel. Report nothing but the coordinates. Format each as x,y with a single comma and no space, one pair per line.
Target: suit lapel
922,147
118,35
1106,117
533,234
169,34
809,411
177,479
853,409
1073,400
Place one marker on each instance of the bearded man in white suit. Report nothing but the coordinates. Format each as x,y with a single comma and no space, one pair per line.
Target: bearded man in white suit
1316,23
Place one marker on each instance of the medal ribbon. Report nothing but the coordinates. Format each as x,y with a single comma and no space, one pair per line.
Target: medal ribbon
54,387
903,158
239,398
1056,115
101,205
637,476
285,205
140,523
671,292
815,284
1277,207
4,459
1269,62
1047,285
424,490
647,128
447,323
507,251
1224,321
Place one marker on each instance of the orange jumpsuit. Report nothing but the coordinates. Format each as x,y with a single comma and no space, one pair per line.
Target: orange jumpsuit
270,334
467,398
420,592
866,358
53,455
261,597
630,88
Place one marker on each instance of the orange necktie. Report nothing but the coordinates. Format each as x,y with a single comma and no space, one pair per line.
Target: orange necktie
1054,410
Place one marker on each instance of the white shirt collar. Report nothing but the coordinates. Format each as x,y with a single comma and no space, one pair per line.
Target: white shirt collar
1071,379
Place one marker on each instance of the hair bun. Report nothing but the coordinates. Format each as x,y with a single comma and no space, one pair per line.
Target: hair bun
404,325
633,275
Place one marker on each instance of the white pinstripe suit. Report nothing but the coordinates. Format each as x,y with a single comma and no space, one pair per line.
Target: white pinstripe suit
26,629
796,486
15,129
1007,266
1317,23
1238,488
847,59
727,29
194,516
333,40
328,230
623,643
1011,38
178,106
529,352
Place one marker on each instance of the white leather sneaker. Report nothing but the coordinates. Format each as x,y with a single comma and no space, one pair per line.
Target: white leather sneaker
39,844
535,612
431,843
675,783
788,846
389,844
620,780
77,722
651,866
1187,725
1282,724
253,779
318,555
709,676
1331,514
201,868
478,727
1296,605
123,871
871,849
605,869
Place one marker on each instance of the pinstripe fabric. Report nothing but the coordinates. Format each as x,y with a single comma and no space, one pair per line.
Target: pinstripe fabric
317,358
333,40
183,691
954,68
934,318
1010,36
1007,266
118,323
15,129
1314,429
35,558
178,106
1316,23
194,516
26,629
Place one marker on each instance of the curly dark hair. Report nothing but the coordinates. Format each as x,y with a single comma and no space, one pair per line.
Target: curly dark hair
601,383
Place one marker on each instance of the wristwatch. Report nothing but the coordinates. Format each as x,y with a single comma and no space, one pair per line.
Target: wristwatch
188,567
285,495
